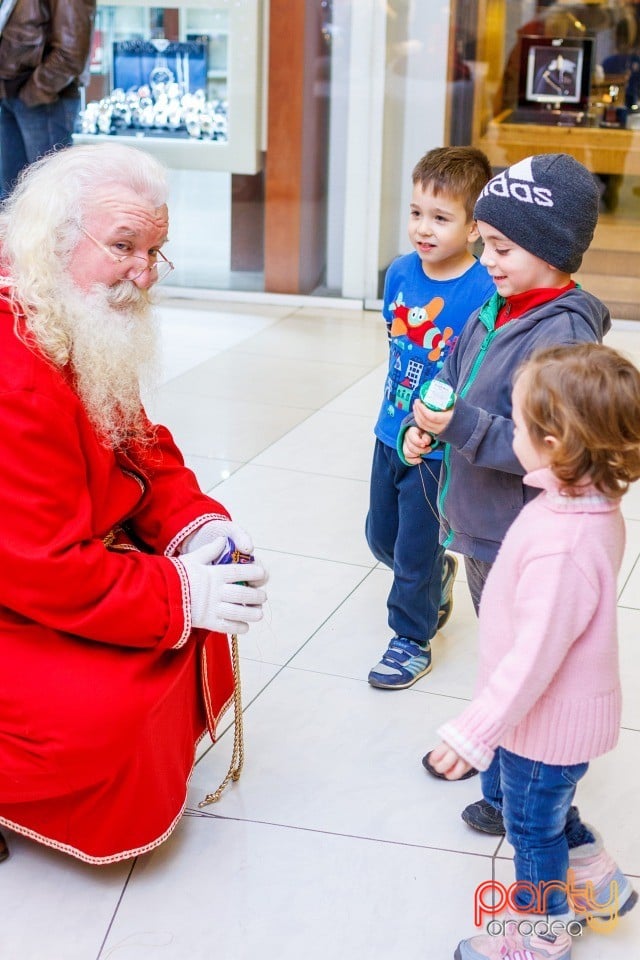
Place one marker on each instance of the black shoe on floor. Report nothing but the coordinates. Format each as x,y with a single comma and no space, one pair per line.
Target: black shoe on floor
426,763
484,817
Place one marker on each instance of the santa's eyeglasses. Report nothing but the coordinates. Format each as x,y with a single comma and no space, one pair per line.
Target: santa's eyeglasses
156,263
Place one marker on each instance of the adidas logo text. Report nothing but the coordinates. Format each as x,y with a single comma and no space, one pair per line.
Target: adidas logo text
503,186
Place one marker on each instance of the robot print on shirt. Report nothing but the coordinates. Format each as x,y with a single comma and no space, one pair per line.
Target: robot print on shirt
417,345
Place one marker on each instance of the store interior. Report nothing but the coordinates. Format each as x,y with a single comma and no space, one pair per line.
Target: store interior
292,151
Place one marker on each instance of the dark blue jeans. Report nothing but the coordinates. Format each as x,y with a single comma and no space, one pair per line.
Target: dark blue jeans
402,531
540,821
27,133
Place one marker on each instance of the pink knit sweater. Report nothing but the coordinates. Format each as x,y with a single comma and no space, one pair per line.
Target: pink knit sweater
548,686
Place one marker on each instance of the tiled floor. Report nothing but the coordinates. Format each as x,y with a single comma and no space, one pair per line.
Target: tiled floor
335,844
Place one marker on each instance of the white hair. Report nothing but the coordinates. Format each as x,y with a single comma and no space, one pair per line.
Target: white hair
40,226
107,336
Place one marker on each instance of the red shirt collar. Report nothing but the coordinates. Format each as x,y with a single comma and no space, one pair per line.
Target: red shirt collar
521,303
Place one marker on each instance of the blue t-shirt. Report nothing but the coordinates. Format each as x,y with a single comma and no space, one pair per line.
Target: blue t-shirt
424,318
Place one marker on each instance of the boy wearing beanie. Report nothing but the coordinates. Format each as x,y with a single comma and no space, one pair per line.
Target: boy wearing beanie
536,220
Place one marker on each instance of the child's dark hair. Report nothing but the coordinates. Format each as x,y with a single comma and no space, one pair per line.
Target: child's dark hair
586,396
461,172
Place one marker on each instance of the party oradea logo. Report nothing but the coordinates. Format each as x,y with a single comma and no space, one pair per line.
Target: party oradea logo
492,898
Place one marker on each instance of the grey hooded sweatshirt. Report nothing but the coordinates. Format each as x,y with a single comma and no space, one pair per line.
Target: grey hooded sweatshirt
481,489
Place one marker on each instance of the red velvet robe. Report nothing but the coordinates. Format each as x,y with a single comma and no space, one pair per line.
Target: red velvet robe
105,689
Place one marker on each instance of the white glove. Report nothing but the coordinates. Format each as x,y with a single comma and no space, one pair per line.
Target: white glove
213,529
220,600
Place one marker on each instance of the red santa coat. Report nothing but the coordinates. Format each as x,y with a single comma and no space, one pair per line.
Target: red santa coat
105,689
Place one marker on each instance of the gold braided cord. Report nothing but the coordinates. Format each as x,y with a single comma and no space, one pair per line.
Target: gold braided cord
237,757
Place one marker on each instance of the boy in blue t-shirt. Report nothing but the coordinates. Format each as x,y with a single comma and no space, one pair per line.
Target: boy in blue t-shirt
428,296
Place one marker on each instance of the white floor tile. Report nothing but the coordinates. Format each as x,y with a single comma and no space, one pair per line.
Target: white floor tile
343,338
181,358
335,755
191,336
210,472
207,427
266,312
54,906
363,398
250,890
330,444
629,632
630,573
268,381
631,502
303,593
215,327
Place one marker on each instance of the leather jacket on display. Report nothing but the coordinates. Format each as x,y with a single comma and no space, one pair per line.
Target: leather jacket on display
45,48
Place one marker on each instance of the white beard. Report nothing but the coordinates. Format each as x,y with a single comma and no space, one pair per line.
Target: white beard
114,353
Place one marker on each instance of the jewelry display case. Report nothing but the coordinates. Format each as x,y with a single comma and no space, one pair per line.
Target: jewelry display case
183,82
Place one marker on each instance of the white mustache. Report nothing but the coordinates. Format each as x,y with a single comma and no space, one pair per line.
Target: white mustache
126,294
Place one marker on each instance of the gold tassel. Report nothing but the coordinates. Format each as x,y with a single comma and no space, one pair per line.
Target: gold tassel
237,757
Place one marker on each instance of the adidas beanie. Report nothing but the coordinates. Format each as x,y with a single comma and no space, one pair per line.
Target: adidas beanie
547,204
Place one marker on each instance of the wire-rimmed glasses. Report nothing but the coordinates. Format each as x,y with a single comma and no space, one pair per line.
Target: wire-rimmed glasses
156,263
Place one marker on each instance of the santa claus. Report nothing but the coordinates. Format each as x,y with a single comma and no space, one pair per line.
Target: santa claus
113,613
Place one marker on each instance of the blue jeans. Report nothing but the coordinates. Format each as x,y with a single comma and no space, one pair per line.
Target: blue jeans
402,531
27,133
540,821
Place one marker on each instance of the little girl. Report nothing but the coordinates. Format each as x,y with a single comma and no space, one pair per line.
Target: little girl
548,696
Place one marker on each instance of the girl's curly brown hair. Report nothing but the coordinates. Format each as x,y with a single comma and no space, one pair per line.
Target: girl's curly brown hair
586,396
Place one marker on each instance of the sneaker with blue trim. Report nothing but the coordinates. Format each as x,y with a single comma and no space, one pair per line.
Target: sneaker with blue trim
449,571
404,662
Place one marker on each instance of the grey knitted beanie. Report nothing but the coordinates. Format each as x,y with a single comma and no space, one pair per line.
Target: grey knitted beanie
547,204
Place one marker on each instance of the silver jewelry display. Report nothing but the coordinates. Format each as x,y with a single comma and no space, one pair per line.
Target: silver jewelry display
163,103
130,110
